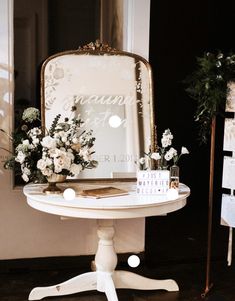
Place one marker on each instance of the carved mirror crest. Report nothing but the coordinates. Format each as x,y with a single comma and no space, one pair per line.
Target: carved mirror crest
112,91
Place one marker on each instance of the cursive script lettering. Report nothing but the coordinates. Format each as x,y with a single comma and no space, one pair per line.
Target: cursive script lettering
119,100
104,99
100,119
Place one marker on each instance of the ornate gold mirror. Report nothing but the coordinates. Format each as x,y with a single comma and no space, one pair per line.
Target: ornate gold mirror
112,91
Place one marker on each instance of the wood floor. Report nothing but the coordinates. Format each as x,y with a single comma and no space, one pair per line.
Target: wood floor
16,283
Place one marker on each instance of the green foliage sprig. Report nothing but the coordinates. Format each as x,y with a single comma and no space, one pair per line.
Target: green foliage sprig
208,85
54,124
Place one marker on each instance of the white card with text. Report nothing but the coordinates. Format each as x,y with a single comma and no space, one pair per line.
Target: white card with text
228,180
229,135
228,210
230,102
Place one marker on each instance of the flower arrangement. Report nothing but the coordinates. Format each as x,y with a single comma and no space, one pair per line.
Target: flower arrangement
209,86
164,155
64,149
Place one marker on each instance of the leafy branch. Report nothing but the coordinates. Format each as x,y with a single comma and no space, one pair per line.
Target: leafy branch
208,86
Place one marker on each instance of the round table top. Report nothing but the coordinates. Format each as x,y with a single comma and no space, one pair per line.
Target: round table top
131,205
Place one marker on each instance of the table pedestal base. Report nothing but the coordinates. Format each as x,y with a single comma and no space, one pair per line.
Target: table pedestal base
105,278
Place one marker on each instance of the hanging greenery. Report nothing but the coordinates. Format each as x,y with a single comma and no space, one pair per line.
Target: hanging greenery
208,85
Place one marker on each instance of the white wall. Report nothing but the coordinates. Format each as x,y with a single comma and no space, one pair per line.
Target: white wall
25,232
136,27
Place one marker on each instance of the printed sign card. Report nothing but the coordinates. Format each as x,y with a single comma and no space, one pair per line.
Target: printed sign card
228,180
228,210
229,134
230,103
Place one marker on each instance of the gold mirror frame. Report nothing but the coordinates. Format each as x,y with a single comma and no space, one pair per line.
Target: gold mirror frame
98,50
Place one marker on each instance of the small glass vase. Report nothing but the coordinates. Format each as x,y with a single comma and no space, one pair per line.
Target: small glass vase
174,176
52,181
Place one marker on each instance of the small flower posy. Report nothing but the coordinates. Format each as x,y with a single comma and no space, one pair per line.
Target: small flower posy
164,154
30,114
65,149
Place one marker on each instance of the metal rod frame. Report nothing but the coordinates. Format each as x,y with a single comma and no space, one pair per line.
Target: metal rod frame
209,285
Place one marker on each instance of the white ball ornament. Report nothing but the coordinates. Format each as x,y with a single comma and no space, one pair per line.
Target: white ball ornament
133,261
115,121
69,194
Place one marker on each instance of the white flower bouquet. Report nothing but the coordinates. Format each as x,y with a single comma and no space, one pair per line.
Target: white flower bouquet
64,149
164,155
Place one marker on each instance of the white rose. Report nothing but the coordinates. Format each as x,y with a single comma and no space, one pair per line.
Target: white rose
70,155
54,152
41,164
67,161
62,162
48,142
20,157
155,156
58,164
49,161
76,169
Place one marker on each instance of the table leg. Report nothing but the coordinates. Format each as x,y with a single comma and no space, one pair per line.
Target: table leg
105,278
106,261
106,257
124,279
81,283
106,285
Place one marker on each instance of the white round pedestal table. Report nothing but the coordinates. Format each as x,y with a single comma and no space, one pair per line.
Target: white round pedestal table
105,278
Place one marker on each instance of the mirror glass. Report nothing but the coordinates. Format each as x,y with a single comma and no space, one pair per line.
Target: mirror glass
112,91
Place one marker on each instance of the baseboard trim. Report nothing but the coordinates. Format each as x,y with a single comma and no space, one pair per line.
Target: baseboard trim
59,263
